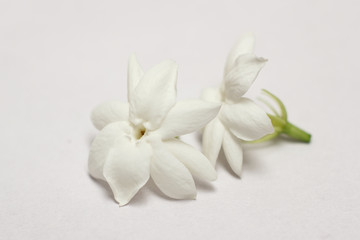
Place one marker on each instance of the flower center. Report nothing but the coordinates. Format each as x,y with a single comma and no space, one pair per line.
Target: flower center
139,131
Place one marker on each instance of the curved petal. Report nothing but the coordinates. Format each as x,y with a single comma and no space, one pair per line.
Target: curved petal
246,120
193,160
170,175
186,117
154,96
102,144
135,73
245,45
109,112
212,139
127,169
212,95
240,78
233,152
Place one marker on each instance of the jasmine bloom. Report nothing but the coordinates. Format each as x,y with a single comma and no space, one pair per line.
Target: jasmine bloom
239,118
137,139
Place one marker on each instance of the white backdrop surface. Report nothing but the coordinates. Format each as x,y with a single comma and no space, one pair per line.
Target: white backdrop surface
59,59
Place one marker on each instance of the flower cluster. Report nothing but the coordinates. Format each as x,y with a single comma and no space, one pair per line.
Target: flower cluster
139,139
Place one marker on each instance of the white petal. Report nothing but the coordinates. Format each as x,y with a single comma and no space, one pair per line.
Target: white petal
109,112
240,78
186,117
212,139
194,160
170,175
233,152
212,95
135,73
244,45
102,144
127,169
154,96
246,120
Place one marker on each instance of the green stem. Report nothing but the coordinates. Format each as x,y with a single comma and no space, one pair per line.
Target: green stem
279,102
265,138
296,133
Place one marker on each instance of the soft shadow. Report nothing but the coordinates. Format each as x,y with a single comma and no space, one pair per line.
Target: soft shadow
140,197
198,136
89,139
250,163
204,186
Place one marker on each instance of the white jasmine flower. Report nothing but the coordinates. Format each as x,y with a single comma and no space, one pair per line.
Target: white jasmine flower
137,139
239,118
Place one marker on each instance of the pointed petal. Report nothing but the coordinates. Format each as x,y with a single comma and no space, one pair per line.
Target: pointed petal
109,112
193,160
233,152
240,78
186,117
212,139
135,73
170,175
154,96
127,169
102,144
245,45
246,120
212,95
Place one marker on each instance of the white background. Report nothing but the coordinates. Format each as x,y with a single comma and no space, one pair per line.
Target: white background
59,59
